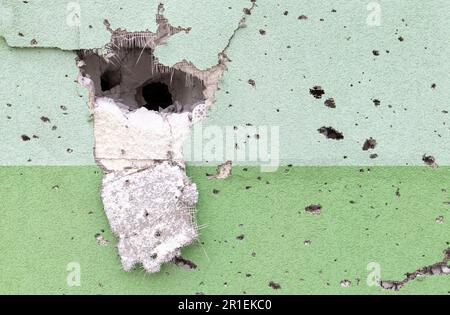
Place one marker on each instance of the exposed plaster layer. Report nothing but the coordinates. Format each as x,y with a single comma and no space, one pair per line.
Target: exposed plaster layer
151,211
437,269
148,199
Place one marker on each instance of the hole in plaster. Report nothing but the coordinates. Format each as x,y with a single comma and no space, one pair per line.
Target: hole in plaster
133,77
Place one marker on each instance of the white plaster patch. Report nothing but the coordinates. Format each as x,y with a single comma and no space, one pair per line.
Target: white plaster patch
124,135
151,212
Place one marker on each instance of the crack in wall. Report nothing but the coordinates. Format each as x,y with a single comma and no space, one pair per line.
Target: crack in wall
440,268
143,111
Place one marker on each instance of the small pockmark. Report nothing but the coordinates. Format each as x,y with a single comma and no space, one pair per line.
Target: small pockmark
274,285
331,133
429,160
317,92
314,209
376,102
369,144
184,263
216,191
45,119
330,103
302,17
240,237
25,138
252,82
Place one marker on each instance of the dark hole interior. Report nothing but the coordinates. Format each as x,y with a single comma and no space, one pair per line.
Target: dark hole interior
157,96
109,80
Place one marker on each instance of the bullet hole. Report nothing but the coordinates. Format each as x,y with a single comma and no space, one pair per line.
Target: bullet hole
330,103
373,156
21,35
317,92
302,17
429,160
216,191
240,237
262,32
376,102
63,108
69,150
433,86
247,11
25,138
274,285
252,82
156,96
138,80
109,80
45,119
331,133
184,263
439,268
369,144
33,42
397,193
307,242
375,52
285,13
314,209
401,39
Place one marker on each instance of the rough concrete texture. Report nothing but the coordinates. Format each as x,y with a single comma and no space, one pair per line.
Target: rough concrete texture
151,212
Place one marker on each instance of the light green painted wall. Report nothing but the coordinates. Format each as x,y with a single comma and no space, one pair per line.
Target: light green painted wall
335,53
43,230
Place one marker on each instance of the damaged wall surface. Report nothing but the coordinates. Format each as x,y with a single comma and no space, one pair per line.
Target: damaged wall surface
342,92
333,48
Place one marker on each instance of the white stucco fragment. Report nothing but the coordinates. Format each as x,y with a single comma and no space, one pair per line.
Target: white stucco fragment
141,134
151,212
